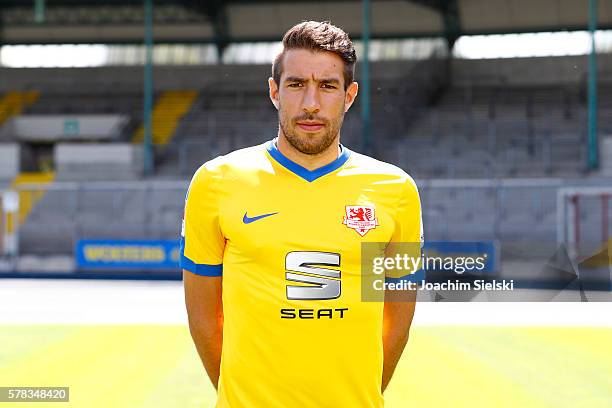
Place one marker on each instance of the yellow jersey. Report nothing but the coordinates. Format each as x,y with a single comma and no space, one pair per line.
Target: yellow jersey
287,241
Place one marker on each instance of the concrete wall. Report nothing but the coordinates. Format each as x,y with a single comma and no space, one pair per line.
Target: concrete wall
605,156
64,127
9,160
97,161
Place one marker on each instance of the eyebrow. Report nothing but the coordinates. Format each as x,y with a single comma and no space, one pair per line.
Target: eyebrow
301,79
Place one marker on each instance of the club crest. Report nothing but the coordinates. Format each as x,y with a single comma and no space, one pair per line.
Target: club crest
361,218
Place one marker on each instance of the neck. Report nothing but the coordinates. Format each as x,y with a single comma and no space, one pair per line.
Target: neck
308,161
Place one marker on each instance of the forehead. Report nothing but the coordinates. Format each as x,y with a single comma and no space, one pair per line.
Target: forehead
312,64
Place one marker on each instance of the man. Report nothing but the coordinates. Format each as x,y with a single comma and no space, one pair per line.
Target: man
272,244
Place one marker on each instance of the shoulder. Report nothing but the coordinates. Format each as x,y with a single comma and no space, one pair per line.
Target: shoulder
383,172
211,176
242,160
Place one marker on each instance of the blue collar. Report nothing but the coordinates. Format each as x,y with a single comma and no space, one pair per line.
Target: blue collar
308,175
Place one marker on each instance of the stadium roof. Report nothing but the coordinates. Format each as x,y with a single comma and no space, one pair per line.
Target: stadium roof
226,21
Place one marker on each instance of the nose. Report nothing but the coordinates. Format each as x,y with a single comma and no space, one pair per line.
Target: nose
310,103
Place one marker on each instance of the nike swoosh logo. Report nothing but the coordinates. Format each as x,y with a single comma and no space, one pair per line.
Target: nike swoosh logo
247,220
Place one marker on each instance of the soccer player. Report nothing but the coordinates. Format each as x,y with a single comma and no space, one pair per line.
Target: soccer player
271,247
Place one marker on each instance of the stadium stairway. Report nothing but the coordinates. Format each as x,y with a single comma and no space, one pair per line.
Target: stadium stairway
168,110
13,103
29,198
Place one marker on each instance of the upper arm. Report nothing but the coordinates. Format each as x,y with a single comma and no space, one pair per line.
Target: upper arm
203,298
398,310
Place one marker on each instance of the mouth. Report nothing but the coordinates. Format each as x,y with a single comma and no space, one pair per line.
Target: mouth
311,126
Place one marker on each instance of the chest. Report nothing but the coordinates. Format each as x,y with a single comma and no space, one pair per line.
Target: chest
328,217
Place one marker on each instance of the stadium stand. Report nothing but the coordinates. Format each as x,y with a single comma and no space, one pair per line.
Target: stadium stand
102,210
211,127
501,130
457,126
494,209
444,121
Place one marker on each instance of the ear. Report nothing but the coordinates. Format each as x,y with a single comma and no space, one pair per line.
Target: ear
273,92
351,94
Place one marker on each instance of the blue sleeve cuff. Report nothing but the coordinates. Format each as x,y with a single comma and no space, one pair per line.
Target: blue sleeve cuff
198,269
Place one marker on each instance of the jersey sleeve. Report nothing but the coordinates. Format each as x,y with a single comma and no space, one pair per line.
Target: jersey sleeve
407,238
408,219
202,241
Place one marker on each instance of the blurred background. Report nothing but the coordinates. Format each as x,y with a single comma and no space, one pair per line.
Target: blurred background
501,110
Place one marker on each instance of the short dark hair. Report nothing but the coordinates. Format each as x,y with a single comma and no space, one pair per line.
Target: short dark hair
318,36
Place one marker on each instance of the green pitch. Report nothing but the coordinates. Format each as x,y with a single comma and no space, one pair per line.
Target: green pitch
452,366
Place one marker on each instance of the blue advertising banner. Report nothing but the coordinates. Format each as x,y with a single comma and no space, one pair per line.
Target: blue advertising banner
131,254
164,255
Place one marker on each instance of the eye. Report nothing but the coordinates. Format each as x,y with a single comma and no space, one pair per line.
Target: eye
295,85
328,86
